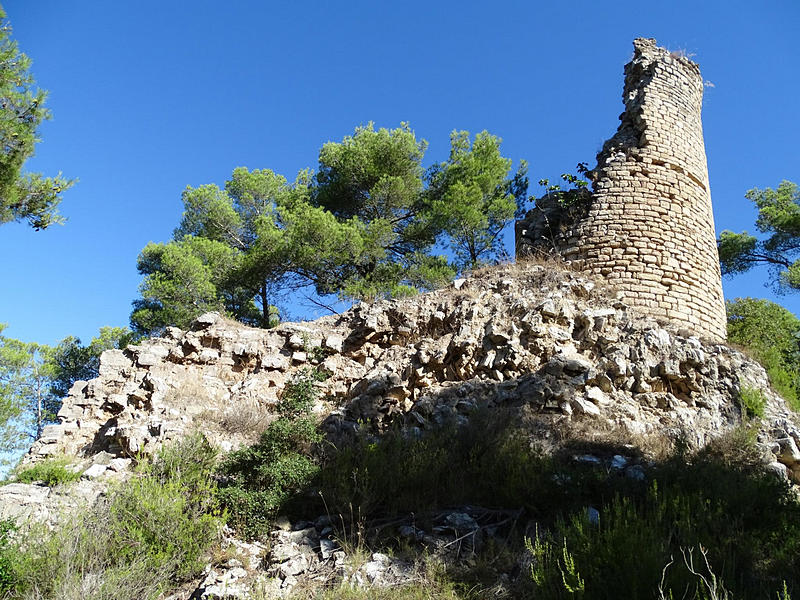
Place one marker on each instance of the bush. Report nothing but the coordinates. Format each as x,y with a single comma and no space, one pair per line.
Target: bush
258,480
261,478
7,567
719,498
52,471
741,520
300,393
146,537
772,333
484,462
752,402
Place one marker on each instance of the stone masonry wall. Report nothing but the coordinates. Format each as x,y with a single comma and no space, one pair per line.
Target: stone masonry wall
648,228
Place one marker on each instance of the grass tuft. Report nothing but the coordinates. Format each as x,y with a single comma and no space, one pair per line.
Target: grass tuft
51,472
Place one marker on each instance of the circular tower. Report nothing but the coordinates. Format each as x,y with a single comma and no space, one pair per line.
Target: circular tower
648,226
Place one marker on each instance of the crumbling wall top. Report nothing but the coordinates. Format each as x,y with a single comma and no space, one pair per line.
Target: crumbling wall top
648,227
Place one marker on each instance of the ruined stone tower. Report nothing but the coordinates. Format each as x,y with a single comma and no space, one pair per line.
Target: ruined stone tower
648,227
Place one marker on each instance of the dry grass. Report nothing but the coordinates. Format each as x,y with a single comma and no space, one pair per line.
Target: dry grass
190,392
246,420
599,436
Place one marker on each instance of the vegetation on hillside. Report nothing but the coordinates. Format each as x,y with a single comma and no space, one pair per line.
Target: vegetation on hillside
697,524
713,517
259,480
146,537
772,335
50,472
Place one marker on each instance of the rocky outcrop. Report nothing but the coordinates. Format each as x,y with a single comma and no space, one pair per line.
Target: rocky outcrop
521,334
529,336
555,348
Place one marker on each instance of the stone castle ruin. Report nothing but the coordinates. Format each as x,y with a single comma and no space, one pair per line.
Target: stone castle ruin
545,354
647,227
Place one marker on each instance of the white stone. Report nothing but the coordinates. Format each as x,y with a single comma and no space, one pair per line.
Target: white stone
94,471
334,342
596,395
585,407
618,462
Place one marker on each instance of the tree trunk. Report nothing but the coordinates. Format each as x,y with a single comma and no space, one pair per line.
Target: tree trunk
264,306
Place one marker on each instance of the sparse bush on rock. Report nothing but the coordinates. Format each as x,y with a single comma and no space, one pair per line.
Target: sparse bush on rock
146,536
53,471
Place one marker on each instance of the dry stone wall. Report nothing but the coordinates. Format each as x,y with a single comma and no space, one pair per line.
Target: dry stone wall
553,350
550,344
648,227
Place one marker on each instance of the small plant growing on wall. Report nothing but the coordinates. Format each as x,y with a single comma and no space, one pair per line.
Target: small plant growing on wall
752,402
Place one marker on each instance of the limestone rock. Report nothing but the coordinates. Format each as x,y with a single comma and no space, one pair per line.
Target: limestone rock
538,349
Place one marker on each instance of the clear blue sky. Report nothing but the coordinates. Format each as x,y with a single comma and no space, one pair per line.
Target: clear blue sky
151,96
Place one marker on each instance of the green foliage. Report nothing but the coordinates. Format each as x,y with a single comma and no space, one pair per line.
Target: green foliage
184,279
364,227
34,378
212,263
630,551
373,180
479,463
752,402
23,196
573,183
772,334
374,174
552,571
299,395
779,220
26,401
161,523
7,555
147,537
719,497
783,594
258,480
473,196
761,325
51,472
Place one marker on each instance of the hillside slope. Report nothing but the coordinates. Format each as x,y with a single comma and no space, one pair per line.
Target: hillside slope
556,352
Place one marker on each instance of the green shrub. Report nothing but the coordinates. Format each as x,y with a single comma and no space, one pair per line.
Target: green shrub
299,395
52,471
772,334
258,480
553,571
144,539
738,518
261,478
642,548
752,402
719,497
484,462
7,567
